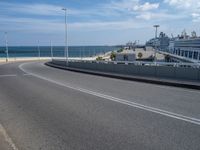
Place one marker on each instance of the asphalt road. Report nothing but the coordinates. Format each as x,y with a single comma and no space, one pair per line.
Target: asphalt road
51,109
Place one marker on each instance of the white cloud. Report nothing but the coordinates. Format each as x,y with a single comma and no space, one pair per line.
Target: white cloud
146,6
31,25
181,3
132,5
132,15
145,16
158,16
134,9
37,9
122,5
196,17
112,25
191,7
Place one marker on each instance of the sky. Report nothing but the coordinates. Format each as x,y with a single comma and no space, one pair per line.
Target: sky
94,22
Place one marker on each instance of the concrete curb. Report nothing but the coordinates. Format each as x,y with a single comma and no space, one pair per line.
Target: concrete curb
174,83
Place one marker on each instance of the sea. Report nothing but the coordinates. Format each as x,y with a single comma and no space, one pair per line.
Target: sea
58,51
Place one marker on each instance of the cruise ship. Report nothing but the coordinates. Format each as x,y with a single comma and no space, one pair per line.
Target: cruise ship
182,47
185,46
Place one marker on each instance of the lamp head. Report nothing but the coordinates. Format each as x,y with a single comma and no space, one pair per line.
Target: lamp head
156,26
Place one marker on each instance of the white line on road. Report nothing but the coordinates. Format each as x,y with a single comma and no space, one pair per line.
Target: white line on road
122,101
27,74
7,138
13,75
8,75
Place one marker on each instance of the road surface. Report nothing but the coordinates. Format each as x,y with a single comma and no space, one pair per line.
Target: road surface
51,109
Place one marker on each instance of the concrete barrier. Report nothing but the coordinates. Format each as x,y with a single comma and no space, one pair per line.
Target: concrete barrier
147,71
199,75
100,67
139,70
187,73
121,69
133,70
166,72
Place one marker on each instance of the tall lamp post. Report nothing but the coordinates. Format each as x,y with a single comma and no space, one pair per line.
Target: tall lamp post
66,37
156,31
39,49
51,50
6,40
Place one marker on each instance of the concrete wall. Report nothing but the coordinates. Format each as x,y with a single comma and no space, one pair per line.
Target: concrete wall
150,71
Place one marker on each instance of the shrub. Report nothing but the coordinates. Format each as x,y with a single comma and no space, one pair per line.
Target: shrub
99,58
140,55
120,50
113,56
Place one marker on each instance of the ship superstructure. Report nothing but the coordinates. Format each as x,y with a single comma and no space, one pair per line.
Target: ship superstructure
186,46
182,46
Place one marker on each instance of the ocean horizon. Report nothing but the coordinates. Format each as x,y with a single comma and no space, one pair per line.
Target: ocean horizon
58,51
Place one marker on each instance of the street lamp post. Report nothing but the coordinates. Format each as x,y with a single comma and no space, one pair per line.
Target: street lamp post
39,50
156,26
51,51
66,37
156,31
6,40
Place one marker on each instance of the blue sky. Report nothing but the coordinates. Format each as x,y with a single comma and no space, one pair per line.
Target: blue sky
94,22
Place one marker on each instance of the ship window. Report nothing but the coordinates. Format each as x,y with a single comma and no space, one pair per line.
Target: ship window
182,53
190,54
195,55
186,53
199,56
179,52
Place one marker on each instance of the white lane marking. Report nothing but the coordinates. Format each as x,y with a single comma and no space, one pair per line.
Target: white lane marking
27,74
8,75
122,101
7,138
13,75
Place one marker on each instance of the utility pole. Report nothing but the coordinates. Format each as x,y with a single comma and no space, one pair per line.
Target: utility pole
39,49
155,48
51,51
6,40
66,37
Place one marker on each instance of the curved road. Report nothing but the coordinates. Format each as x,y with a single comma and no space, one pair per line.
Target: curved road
51,109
